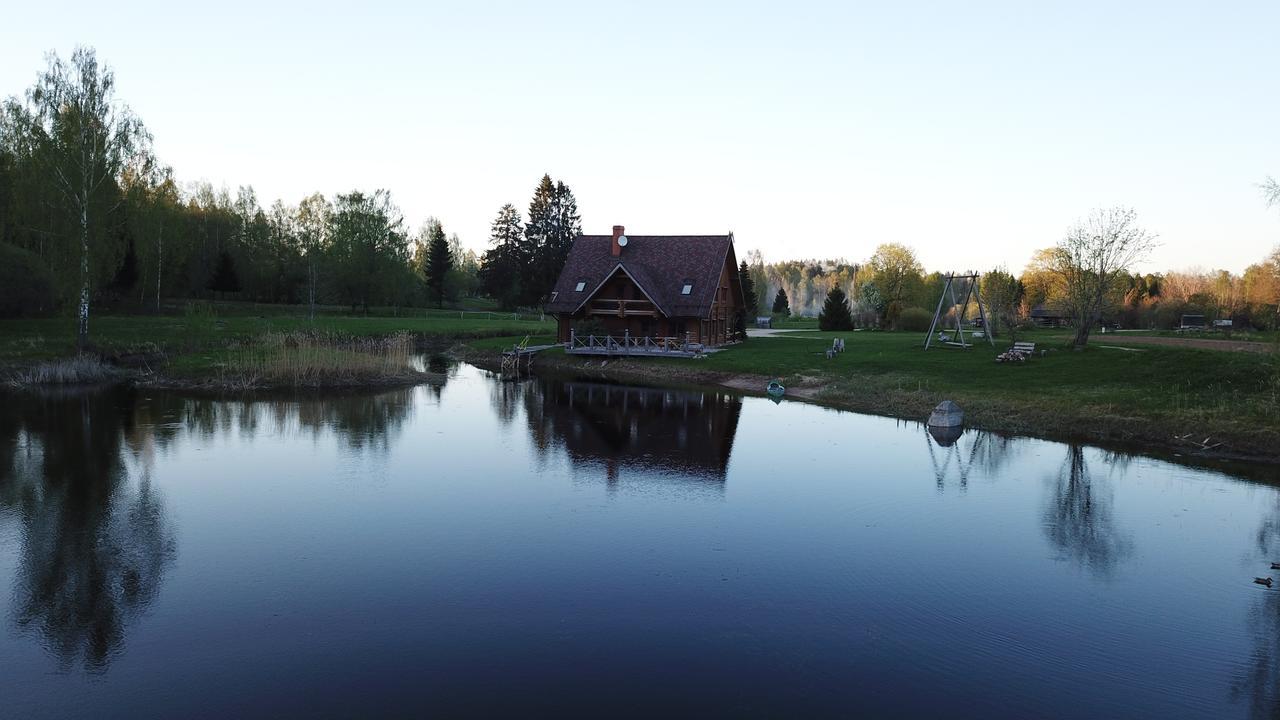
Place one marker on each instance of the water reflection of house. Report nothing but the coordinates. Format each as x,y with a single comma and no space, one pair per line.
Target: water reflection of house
667,432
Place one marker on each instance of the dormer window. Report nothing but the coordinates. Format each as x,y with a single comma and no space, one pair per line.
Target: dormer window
582,285
688,288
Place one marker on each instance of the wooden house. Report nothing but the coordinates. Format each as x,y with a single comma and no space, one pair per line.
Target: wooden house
679,288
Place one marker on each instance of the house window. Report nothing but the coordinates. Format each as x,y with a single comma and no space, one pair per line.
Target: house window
582,285
688,288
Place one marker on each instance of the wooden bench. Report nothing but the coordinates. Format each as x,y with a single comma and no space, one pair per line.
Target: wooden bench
1026,348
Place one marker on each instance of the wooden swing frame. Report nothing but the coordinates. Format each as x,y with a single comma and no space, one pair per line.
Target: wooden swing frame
938,324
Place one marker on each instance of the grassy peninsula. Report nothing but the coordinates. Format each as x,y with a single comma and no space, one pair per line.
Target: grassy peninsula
1194,400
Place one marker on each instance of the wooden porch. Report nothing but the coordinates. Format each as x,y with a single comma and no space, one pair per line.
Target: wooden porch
629,346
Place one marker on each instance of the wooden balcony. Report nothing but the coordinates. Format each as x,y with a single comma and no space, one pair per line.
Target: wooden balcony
618,307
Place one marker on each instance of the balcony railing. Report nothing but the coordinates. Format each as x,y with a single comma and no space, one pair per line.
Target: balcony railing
628,344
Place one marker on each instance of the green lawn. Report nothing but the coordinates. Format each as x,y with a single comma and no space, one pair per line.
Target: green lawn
1153,392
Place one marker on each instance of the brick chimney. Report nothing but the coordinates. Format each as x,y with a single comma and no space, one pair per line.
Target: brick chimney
618,230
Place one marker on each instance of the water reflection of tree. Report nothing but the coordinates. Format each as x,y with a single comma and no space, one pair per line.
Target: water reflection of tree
506,397
1258,682
442,368
1078,520
361,420
95,538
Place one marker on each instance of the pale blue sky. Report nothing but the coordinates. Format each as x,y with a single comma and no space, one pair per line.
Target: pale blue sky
973,132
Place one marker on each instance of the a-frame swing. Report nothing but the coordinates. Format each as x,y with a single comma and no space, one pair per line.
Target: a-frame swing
948,290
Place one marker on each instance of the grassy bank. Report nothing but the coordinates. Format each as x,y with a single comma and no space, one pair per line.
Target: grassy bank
1192,400
27,341
237,349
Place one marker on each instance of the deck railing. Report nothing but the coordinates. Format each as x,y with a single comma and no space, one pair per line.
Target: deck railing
629,344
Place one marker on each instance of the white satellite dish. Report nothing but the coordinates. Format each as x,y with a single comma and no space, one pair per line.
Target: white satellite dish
622,241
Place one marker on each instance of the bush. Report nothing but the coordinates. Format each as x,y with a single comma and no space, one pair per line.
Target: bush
26,285
914,319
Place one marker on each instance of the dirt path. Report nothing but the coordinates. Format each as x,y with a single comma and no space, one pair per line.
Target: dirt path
1199,343
775,332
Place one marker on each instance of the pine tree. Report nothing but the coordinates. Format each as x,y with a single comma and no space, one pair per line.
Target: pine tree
553,224
225,279
835,314
781,305
438,262
501,266
751,301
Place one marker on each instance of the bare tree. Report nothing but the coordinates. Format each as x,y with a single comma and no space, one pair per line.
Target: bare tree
87,138
1271,191
1092,261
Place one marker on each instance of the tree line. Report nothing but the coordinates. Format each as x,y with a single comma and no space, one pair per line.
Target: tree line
90,216
524,260
1084,280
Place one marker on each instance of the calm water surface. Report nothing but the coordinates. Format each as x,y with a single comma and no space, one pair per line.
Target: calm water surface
568,548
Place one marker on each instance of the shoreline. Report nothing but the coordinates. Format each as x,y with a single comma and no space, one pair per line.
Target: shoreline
1130,434
1157,435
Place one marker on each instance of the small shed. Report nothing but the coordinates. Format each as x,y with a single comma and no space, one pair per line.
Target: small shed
1192,322
1042,316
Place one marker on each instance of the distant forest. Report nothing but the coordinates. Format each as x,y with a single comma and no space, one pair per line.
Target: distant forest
89,216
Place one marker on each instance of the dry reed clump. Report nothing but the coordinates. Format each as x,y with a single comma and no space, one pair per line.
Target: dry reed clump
314,358
79,370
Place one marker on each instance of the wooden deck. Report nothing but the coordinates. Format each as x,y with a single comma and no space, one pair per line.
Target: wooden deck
627,346
521,353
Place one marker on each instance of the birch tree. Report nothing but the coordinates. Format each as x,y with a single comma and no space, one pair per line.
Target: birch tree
154,208
1092,263
312,224
85,137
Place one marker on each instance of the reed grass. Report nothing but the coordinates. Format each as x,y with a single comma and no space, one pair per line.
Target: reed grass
316,358
78,370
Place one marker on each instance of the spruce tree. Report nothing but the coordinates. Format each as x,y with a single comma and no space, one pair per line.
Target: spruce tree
835,314
751,301
501,267
225,279
439,262
553,224
781,305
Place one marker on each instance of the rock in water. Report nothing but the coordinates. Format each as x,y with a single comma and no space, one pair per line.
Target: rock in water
947,414
945,436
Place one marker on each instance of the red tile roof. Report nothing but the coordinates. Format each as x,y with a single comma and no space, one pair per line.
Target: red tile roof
660,264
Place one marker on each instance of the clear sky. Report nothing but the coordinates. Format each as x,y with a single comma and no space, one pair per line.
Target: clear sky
974,132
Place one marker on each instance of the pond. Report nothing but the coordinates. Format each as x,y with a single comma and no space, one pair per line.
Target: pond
549,547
